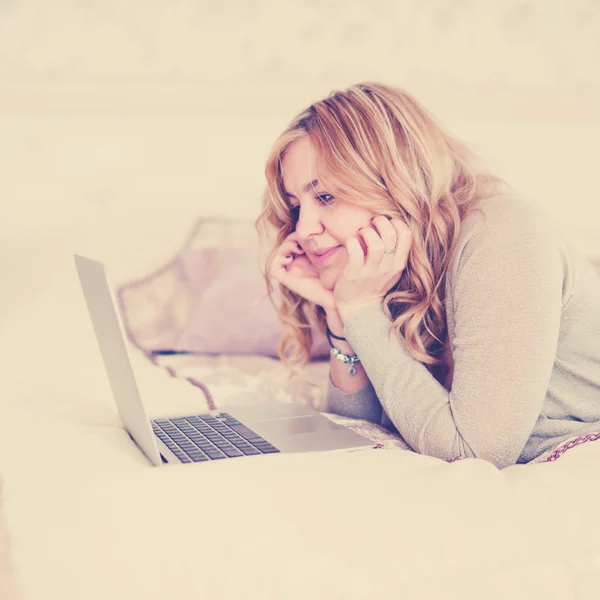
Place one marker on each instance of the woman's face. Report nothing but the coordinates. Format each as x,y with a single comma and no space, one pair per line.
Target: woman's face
323,222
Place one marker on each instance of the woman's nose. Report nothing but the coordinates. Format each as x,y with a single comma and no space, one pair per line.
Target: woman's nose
309,221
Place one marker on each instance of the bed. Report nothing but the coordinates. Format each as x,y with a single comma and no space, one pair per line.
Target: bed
84,515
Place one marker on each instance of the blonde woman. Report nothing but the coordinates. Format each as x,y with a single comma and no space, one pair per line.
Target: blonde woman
458,315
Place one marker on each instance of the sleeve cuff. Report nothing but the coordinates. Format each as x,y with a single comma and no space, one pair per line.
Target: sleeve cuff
361,404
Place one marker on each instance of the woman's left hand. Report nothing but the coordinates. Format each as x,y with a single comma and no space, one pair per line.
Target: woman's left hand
369,275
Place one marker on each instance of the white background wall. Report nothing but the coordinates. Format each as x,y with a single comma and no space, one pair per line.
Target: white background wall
107,105
532,44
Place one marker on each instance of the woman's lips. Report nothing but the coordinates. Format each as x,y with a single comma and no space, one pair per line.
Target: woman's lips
323,258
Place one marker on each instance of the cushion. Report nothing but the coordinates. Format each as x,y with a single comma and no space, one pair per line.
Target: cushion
210,298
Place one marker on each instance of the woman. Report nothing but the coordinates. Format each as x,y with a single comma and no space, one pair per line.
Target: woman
457,314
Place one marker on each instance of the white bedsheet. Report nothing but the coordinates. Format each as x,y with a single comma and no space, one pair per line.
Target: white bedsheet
89,518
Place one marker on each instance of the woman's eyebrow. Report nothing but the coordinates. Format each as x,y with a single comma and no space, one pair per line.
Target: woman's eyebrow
307,188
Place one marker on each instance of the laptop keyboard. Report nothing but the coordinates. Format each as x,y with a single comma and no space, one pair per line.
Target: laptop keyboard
200,438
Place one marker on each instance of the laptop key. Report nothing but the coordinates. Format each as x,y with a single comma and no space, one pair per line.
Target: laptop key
197,438
222,442
265,446
209,449
215,455
249,450
218,440
245,432
244,444
262,444
181,456
200,458
231,452
223,447
197,456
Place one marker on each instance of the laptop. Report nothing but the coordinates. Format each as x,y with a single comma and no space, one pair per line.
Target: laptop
237,432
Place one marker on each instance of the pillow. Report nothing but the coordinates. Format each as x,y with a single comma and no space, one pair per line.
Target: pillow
211,298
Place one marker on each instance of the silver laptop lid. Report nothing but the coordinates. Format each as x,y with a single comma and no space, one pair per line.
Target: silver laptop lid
111,340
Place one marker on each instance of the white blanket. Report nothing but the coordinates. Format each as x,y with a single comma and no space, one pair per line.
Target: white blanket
88,517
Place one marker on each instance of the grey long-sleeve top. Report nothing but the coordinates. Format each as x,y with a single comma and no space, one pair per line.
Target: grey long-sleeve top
523,317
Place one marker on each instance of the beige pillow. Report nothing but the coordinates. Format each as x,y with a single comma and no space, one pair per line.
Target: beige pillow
211,298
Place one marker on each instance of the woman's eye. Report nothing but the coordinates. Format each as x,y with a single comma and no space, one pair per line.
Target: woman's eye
325,198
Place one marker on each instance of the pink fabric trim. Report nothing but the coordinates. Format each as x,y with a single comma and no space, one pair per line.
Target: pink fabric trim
558,452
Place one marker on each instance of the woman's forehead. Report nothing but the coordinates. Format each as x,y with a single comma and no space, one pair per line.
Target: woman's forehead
298,167
299,153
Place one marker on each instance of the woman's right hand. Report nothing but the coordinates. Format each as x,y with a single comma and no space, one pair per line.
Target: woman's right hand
292,268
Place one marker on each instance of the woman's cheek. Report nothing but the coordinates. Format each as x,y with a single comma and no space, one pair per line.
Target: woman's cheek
330,276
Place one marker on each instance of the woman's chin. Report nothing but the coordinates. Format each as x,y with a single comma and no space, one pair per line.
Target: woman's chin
329,278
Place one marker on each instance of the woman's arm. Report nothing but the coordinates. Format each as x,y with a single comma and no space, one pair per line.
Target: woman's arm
349,395
338,371
506,296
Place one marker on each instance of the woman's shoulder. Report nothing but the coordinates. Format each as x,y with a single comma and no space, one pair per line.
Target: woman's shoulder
507,219
501,213
503,228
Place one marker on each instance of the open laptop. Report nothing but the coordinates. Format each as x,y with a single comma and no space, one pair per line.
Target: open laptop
212,435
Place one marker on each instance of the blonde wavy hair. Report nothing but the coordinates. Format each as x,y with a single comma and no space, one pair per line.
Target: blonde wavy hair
376,143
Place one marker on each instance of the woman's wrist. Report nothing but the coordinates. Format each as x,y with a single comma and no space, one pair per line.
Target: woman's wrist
335,323
336,327
347,310
344,377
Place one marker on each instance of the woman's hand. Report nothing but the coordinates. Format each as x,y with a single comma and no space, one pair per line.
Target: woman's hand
292,268
369,275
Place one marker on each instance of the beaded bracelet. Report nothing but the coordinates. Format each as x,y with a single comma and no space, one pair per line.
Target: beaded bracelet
345,358
337,337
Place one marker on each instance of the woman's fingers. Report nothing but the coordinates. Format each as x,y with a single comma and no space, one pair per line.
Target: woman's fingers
356,255
374,244
287,253
404,241
386,230
367,248
291,246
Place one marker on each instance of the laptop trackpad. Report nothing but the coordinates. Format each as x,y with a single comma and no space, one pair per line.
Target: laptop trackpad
290,425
